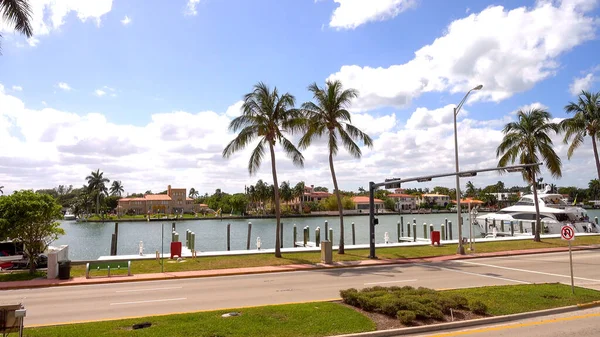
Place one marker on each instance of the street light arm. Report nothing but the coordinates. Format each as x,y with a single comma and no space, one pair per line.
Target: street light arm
459,106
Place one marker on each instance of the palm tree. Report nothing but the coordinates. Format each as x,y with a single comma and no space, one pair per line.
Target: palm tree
586,121
96,182
525,141
116,188
471,190
1,191
267,115
193,193
17,13
299,193
287,194
594,188
328,116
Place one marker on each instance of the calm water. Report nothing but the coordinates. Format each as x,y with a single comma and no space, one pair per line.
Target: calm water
90,240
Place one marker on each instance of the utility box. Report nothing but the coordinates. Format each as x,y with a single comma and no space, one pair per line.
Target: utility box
435,238
175,249
326,253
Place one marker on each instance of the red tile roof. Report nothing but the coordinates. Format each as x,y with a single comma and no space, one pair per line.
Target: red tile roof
162,197
364,200
400,195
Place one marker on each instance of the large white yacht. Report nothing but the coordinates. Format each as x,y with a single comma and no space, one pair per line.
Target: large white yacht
554,213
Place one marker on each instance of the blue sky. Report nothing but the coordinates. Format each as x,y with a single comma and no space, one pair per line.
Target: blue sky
105,84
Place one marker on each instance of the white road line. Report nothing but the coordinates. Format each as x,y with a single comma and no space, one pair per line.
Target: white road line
526,271
475,274
399,281
151,301
146,289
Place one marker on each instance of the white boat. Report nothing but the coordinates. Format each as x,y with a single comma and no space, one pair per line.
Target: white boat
69,216
554,213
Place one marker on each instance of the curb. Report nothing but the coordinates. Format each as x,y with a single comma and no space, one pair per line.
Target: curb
474,322
318,266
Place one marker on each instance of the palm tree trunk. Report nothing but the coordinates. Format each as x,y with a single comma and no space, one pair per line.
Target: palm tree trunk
98,203
596,154
536,237
339,202
277,213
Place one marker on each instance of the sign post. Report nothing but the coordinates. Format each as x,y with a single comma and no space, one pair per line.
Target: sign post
568,233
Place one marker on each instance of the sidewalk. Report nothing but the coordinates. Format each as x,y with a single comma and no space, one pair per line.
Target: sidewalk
38,283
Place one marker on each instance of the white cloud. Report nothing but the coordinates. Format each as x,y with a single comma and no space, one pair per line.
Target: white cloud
474,51
527,107
17,88
99,92
235,109
581,83
64,86
105,90
191,7
126,20
49,15
353,13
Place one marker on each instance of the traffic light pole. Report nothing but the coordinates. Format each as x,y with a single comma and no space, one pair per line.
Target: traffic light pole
395,183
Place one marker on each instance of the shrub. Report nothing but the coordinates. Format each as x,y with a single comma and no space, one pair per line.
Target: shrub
461,302
478,307
406,317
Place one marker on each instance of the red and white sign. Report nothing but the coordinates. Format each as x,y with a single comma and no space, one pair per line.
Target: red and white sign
567,233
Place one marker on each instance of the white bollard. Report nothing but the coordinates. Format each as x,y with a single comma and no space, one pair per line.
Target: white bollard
386,237
141,246
258,243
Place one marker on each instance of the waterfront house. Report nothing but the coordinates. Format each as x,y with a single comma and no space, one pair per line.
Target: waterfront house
309,195
361,204
175,201
403,202
436,199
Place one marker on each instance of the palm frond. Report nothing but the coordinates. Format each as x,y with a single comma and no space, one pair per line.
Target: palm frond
17,13
292,152
256,157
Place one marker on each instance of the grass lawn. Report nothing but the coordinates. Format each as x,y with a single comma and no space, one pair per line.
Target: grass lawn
20,275
257,260
505,300
311,319
314,319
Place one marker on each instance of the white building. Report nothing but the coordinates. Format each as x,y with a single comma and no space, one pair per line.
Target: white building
403,201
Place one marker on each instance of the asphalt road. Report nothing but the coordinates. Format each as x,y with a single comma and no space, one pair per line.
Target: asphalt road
582,323
110,301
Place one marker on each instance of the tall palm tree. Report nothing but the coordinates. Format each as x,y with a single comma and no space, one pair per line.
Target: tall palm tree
471,190
97,183
526,141
17,13
585,122
116,188
193,193
328,116
267,116
299,193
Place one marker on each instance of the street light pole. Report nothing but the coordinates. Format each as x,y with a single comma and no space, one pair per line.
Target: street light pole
461,249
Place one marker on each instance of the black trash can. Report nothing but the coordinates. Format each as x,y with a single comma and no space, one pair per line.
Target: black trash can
64,269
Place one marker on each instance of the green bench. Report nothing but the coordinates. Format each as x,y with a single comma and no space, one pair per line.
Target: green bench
107,265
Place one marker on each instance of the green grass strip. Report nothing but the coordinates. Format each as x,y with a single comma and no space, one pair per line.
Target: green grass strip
309,319
514,299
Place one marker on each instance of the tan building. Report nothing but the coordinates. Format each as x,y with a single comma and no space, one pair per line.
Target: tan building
437,199
403,202
310,195
361,204
175,201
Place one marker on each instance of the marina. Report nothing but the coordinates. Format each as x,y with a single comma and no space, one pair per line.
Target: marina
91,240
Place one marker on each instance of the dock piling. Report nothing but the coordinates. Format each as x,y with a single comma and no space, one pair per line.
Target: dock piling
249,234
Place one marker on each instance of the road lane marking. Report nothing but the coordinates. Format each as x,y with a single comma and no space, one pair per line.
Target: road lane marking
399,281
515,326
146,289
526,271
151,301
475,274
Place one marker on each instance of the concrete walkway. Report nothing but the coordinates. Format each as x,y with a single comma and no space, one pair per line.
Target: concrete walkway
36,283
